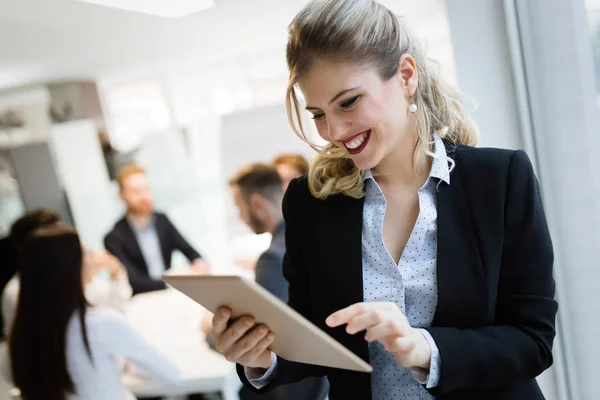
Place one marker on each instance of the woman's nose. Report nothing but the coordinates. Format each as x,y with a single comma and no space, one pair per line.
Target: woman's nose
338,129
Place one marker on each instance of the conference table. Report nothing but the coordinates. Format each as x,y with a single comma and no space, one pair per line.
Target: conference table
171,322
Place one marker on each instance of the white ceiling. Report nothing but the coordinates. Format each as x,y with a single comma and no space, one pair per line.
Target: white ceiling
50,40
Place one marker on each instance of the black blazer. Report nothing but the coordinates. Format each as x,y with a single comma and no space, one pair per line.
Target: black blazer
122,243
494,323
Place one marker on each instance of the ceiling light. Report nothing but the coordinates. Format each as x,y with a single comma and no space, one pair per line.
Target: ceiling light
162,8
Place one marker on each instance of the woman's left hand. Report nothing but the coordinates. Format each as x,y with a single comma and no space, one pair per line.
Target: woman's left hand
385,323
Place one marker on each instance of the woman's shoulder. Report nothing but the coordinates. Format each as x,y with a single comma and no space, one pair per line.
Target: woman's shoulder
298,192
487,160
99,323
103,319
298,188
104,326
480,154
103,314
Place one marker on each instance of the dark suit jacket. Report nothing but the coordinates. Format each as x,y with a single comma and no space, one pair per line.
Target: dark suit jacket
122,243
269,271
494,323
269,274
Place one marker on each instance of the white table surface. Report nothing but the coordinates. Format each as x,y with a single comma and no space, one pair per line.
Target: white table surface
170,322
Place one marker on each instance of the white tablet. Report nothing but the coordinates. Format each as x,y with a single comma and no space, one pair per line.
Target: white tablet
296,338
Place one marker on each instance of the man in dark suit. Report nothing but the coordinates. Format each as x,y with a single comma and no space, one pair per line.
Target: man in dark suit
144,240
258,193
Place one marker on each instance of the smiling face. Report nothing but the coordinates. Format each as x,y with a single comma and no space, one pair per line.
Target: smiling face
358,111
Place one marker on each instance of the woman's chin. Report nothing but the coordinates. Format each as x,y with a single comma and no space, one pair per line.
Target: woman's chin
367,159
364,163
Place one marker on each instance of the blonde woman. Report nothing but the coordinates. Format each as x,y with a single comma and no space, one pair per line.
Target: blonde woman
427,257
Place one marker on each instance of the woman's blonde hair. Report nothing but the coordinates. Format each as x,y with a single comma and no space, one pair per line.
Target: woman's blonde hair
364,32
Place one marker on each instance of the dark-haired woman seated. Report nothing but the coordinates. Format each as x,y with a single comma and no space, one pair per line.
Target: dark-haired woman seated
60,347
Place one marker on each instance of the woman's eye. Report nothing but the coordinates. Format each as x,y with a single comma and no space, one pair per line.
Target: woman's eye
350,102
318,116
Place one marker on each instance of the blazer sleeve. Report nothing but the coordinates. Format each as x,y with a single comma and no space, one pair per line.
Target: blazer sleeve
294,270
179,241
519,345
140,282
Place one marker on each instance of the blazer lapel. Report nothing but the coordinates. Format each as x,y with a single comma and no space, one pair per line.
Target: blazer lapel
462,292
344,257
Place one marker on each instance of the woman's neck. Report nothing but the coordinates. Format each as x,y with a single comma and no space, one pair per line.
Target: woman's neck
398,169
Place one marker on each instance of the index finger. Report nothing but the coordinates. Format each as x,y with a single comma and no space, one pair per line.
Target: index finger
344,315
220,319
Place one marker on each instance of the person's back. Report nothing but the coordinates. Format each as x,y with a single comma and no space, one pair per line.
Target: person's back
60,347
109,336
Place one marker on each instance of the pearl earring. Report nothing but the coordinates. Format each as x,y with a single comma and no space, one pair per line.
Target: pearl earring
412,108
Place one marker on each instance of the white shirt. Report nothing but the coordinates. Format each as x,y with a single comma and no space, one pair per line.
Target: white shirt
411,284
150,247
101,291
110,336
111,339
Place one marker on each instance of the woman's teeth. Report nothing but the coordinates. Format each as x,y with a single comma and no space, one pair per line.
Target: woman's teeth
356,142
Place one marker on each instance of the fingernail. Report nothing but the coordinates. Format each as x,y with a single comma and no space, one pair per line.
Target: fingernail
330,321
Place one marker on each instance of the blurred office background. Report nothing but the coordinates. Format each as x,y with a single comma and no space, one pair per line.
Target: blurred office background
85,88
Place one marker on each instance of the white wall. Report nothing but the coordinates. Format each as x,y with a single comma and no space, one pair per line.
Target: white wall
484,69
93,200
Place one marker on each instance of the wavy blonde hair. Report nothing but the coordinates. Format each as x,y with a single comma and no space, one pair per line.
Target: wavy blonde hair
364,32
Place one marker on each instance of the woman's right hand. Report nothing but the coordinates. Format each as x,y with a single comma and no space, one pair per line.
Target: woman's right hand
241,341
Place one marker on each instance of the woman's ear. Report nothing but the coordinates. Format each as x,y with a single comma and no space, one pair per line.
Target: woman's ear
407,71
